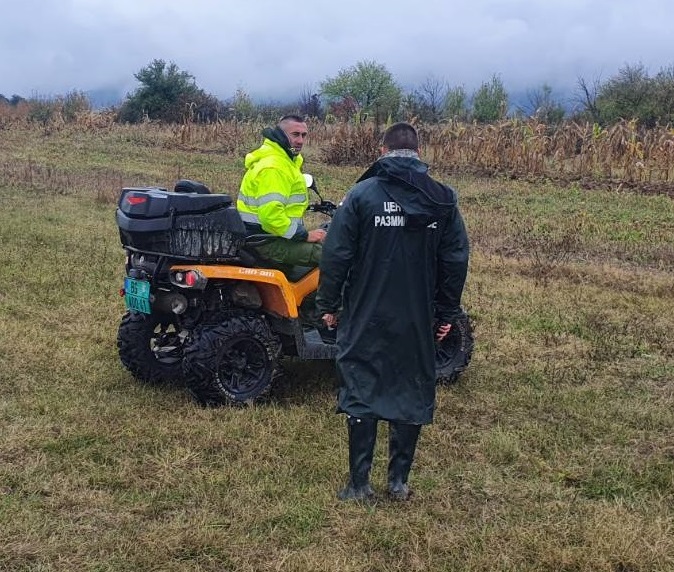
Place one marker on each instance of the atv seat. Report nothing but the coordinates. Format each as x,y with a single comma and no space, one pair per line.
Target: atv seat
189,186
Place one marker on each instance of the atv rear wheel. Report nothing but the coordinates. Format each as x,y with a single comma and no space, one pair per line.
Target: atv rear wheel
452,355
150,347
232,363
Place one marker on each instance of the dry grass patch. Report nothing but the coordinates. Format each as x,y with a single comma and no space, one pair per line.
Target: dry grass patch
552,453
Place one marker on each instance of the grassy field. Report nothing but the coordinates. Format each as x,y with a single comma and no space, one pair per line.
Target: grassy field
554,452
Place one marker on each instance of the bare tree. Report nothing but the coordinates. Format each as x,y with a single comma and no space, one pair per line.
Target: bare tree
586,97
310,103
542,106
431,97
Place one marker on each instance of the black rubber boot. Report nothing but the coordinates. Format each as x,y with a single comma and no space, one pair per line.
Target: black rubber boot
362,438
402,443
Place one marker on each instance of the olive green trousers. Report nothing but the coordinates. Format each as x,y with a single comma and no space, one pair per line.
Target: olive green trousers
291,252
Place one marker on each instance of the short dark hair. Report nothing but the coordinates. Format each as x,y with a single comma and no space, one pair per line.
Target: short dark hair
292,117
401,136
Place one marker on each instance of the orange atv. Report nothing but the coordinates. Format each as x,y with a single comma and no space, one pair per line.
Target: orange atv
204,308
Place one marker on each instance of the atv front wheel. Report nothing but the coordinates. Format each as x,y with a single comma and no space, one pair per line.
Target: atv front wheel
232,363
150,347
452,355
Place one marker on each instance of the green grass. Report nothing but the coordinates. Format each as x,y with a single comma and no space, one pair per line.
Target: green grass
554,452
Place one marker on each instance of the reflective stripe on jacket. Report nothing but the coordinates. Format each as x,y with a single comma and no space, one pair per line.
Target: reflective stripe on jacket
273,191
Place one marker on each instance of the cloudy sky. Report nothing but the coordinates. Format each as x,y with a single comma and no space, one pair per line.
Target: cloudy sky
277,49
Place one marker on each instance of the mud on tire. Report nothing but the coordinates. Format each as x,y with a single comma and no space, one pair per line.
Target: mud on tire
453,354
150,347
234,362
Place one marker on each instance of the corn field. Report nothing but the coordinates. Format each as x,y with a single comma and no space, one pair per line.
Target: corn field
622,155
622,152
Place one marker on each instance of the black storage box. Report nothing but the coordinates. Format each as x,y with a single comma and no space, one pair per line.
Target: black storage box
181,225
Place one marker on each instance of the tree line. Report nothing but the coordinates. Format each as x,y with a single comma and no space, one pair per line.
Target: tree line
368,91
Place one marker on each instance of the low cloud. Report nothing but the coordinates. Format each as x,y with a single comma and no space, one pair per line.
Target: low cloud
274,50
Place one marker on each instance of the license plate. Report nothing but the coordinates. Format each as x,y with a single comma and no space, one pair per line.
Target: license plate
137,295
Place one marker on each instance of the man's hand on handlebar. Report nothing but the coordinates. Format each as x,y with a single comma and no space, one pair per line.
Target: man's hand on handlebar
317,235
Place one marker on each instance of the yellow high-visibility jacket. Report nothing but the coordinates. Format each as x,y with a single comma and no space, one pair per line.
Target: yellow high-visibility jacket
273,194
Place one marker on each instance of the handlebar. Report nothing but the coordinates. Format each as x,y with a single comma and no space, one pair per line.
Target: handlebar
325,207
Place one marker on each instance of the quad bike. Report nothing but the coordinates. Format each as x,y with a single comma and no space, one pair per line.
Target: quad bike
205,309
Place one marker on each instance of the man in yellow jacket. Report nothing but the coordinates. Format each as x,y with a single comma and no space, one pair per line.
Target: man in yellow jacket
273,196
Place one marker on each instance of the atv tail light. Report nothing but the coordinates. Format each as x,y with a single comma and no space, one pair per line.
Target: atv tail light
189,279
135,200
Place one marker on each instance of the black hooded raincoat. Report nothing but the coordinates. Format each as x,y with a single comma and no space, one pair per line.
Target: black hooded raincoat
395,260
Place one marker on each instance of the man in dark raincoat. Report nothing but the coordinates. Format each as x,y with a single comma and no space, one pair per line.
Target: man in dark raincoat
394,265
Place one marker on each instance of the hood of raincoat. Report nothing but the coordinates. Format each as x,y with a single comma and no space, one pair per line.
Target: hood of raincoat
277,135
406,180
269,153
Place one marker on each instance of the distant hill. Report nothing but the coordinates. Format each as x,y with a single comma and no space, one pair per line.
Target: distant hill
104,97
521,100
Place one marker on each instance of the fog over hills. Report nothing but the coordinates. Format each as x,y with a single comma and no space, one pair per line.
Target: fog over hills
273,51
